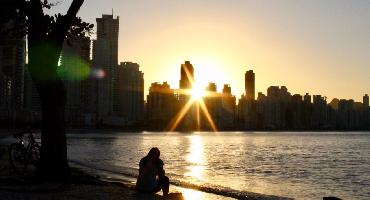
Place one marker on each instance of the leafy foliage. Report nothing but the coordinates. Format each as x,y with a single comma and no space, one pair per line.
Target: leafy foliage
16,21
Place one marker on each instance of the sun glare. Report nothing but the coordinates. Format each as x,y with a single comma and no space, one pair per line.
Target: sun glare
197,92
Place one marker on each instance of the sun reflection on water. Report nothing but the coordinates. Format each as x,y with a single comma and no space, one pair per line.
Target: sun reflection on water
195,158
191,194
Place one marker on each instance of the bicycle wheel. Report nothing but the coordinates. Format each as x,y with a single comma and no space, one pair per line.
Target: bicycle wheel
17,157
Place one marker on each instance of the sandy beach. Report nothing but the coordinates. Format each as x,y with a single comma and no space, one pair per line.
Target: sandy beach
89,184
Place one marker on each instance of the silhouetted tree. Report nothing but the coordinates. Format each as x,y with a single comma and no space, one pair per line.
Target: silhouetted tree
45,36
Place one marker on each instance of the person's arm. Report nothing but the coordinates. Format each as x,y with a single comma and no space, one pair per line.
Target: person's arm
141,167
161,172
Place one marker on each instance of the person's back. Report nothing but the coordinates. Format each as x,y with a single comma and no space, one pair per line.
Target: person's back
151,167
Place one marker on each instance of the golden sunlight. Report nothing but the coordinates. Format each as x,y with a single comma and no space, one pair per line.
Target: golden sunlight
191,194
195,158
197,92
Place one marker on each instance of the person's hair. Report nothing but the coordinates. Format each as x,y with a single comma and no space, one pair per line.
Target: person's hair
154,152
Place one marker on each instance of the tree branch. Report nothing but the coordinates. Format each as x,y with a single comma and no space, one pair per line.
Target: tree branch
73,9
64,23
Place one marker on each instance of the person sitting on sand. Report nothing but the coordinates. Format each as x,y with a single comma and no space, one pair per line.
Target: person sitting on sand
152,177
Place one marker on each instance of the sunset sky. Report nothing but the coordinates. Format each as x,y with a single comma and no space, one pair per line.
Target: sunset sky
316,46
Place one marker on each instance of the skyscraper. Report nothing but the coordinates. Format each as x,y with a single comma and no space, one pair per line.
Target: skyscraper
161,106
12,61
129,92
74,70
307,98
226,118
212,87
226,89
105,59
366,100
250,85
186,82
187,75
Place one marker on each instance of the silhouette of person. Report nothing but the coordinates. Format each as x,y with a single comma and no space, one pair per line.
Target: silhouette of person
152,177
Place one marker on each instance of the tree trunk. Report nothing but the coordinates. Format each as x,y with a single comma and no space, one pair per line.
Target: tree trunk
43,64
53,164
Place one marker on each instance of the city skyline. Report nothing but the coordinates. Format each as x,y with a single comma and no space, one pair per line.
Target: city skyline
101,92
329,47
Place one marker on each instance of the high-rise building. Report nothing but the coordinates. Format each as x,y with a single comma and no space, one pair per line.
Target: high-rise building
187,75
366,100
129,92
12,61
5,96
75,71
226,118
105,59
307,98
318,114
250,85
189,122
212,87
161,106
13,56
226,89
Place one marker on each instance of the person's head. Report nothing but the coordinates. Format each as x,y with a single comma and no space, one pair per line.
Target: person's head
154,153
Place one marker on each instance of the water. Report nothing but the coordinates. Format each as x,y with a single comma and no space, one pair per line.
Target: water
305,165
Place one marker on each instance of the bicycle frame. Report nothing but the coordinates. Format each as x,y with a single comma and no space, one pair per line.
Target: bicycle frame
31,143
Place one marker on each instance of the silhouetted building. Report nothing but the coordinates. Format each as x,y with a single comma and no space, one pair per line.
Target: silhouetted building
75,70
221,108
307,98
319,111
187,75
226,120
105,58
246,116
365,100
189,122
277,107
129,92
212,87
365,117
12,61
213,103
250,85
346,114
161,106
296,112
5,97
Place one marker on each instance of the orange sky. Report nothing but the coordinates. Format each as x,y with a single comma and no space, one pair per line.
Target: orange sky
320,47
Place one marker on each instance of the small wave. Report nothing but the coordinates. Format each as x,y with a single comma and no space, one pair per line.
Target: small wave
208,188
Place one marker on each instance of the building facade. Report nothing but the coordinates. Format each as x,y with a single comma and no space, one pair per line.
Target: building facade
250,85
128,92
12,63
105,60
75,71
161,106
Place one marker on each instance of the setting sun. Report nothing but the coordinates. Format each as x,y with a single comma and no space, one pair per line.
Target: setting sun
197,92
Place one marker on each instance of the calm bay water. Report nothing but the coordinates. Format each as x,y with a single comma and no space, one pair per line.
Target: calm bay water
307,165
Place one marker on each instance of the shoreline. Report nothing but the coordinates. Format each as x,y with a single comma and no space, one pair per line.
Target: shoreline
185,188
87,185
90,183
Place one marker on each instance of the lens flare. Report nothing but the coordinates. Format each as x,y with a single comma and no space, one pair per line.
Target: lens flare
98,73
74,68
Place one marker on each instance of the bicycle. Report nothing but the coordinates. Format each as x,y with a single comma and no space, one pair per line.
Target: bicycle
21,155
